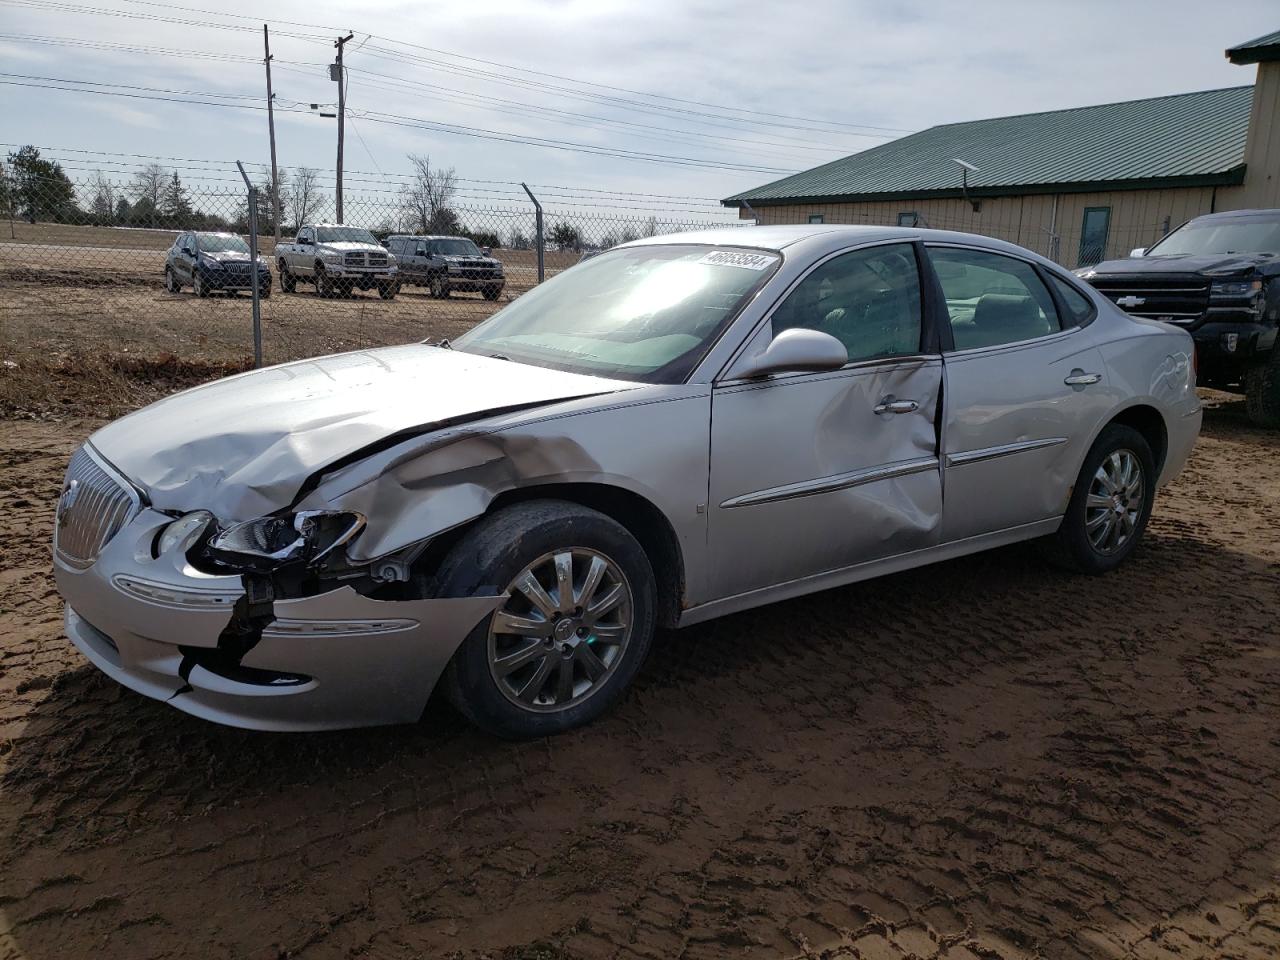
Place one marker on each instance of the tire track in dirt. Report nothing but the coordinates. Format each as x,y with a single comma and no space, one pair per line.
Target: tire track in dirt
982,759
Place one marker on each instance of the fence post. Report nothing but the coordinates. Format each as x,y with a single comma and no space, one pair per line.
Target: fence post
253,266
537,227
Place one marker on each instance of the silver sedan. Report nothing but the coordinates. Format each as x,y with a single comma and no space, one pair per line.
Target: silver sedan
680,428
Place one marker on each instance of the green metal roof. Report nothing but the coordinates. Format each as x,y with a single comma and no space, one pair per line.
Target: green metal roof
1187,139
1257,50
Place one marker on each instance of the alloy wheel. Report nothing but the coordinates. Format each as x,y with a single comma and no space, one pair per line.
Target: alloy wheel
563,630
1115,502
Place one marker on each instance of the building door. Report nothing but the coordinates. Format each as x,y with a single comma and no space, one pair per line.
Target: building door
1093,235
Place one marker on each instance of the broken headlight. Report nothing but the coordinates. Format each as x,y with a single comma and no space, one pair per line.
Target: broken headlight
308,535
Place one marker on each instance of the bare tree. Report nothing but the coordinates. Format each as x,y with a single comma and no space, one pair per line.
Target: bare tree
149,184
305,197
103,193
426,198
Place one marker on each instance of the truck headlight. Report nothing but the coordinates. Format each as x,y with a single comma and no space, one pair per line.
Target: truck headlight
1235,288
329,257
307,535
452,267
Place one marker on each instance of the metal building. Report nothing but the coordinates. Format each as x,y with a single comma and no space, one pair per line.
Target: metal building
1078,185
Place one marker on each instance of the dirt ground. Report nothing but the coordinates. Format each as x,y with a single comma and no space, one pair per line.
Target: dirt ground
982,759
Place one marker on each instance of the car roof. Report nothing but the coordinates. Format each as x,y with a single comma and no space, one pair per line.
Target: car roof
1240,215
817,239
427,236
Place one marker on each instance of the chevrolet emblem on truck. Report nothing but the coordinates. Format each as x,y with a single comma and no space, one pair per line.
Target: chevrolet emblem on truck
1131,301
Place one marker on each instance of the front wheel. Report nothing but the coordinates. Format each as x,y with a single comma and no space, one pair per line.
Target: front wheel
288,282
492,292
171,283
324,282
1110,503
439,287
1262,391
387,289
574,630
198,285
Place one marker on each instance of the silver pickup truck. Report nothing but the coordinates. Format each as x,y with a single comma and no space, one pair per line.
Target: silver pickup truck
337,259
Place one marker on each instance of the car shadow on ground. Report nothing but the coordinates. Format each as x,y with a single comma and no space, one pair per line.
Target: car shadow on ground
986,752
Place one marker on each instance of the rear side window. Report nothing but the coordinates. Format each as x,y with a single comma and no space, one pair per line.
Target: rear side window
1077,306
992,299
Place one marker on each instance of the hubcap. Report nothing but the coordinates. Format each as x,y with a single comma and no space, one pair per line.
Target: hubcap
1115,502
562,631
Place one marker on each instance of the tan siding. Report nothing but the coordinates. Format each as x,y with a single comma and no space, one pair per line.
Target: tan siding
1137,216
1262,151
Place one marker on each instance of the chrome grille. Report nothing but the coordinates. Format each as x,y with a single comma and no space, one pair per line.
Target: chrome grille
1175,300
377,259
353,259
93,508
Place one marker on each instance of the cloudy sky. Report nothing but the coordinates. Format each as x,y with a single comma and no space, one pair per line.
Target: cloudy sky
687,100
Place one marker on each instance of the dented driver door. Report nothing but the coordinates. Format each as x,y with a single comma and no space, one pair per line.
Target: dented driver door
815,472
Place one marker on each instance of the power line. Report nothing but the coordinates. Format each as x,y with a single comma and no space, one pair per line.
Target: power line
413,122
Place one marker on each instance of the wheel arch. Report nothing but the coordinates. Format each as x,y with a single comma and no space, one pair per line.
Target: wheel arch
634,512
1148,421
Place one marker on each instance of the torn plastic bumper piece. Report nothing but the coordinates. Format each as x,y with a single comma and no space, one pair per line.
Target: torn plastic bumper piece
330,661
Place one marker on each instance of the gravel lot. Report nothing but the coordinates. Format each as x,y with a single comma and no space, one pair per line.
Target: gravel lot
986,758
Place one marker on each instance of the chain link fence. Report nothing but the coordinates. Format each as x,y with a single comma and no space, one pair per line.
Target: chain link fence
97,267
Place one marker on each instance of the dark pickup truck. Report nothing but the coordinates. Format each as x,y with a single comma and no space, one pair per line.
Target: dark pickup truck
1217,277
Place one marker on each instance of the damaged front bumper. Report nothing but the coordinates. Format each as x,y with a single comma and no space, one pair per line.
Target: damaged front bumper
329,661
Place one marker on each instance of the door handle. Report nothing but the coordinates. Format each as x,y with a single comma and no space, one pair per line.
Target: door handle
891,404
1079,378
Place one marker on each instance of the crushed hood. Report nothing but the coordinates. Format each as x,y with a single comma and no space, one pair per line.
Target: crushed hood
244,446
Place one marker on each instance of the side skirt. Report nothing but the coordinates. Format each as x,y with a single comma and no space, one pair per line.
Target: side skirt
866,571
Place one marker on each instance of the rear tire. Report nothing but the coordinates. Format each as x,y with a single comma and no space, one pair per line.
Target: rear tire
1110,504
1262,391
578,638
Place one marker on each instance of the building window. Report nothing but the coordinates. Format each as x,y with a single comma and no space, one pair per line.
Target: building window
908,218
816,218
1093,235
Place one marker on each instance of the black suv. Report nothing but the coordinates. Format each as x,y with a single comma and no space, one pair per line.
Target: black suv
1218,277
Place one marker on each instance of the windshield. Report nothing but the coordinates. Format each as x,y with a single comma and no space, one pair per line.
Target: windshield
456,247
344,235
638,313
221,243
1243,235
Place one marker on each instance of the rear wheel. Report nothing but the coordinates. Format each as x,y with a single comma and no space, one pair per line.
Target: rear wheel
1110,503
574,630
1262,391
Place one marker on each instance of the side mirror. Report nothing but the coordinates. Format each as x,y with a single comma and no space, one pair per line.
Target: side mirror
304,241
487,251
798,350
1138,252
420,252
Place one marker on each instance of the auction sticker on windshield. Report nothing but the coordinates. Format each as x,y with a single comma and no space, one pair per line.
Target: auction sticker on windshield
739,258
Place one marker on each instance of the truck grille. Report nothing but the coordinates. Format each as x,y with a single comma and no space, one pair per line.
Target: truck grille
353,259
1181,300
93,508
377,259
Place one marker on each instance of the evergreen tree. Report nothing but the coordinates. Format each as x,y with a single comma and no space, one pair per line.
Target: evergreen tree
174,203
41,189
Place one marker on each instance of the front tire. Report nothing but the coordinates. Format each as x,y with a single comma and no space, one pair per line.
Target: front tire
388,289
198,286
324,282
171,283
492,292
288,282
440,287
1262,391
574,631
1110,503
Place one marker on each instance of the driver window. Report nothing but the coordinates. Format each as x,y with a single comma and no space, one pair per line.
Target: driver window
869,300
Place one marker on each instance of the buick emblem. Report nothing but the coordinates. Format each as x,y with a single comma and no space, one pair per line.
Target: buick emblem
65,502
1131,301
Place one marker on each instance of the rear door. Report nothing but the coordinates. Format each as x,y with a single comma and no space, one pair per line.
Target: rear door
814,472
1024,392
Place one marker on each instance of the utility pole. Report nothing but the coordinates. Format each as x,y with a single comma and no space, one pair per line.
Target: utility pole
271,127
336,73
